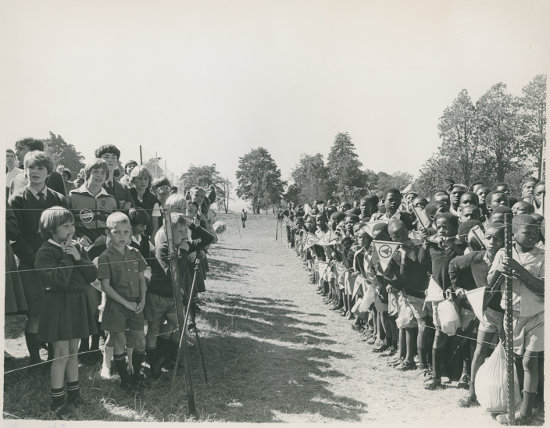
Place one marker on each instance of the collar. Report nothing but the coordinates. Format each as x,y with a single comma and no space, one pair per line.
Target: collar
84,189
113,250
136,239
51,241
35,193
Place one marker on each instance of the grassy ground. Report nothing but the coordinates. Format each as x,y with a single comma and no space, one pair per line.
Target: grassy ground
273,353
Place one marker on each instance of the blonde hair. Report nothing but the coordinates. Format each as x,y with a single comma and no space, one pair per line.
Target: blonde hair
177,203
117,218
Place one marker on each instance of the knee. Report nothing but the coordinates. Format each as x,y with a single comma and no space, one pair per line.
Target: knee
530,363
139,342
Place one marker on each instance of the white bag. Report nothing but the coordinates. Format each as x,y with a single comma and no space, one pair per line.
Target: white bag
490,382
370,295
405,314
449,317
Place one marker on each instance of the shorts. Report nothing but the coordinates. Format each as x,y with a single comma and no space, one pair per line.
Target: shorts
528,333
492,321
117,318
417,306
157,307
379,305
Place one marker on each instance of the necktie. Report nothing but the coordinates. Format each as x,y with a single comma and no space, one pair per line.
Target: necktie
41,197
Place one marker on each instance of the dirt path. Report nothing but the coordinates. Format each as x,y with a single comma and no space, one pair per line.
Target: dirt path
274,352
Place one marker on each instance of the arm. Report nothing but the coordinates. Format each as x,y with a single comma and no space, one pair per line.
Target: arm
534,284
142,293
455,266
56,273
86,267
21,247
112,294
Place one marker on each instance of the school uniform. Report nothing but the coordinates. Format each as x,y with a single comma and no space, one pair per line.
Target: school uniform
15,302
54,181
123,272
121,193
147,202
66,313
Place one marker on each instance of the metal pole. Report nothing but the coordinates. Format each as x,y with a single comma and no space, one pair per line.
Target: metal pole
508,322
140,155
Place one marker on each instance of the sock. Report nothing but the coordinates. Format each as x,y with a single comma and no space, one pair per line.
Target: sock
84,344
32,346
137,360
73,390
50,351
436,362
58,397
120,363
95,342
107,356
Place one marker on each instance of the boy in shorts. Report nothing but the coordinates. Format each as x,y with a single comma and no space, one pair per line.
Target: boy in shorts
121,272
527,269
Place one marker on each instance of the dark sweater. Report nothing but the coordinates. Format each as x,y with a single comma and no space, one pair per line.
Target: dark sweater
121,194
27,210
61,272
410,275
436,260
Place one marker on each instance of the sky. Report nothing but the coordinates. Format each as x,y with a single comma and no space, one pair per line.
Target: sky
202,82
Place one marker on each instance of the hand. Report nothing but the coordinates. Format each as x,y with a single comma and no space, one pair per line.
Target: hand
510,263
424,233
192,257
131,306
460,293
71,250
140,306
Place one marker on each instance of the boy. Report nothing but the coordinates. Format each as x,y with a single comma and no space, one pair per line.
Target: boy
469,212
121,272
470,271
527,269
522,207
27,204
538,197
435,255
392,200
111,154
368,206
457,190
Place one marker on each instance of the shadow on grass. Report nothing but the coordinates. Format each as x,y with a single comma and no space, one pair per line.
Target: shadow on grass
222,270
259,372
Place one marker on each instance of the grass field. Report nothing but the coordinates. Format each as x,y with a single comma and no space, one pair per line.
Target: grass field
273,353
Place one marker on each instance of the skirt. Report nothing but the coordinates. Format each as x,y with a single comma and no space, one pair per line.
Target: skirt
15,302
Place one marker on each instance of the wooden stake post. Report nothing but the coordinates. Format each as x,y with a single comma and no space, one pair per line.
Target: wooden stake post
508,322
178,297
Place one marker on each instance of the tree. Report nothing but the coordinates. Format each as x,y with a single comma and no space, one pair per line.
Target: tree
310,178
398,180
259,179
225,196
344,167
533,112
63,153
206,176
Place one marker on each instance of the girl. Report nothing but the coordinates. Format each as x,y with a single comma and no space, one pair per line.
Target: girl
66,313
141,195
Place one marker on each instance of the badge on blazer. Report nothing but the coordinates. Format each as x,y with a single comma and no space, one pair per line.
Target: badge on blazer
86,216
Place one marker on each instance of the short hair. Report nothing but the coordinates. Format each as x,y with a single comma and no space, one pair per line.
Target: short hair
138,216
529,180
31,143
499,183
472,194
38,158
128,163
96,164
475,183
521,220
421,199
441,193
459,186
10,151
177,219
502,210
370,199
354,211
107,148
176,201
196,189
465,227
160,181
396,223
540,183
392,190
526,205
475,210
495,225
115,218
380,227
337,216
52,218
193,203
352,216
140,170
321,215
491,194
451,219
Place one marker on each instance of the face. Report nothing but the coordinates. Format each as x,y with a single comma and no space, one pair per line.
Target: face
398,234
141,182
527,236
469,213
443,198
528,189
442,209
37,174
366,209
498,199
191,210
391,202
419,203
310,224
410,197
540,192
10,159
179,234
129,168
320,220
97,177
503,188
138,229
345,207
497,217
20,152
348,223
120,235
481,193
111,159
456,194
63,232
494,238
444,228
380,235
520,208
197,196
162,193
476,187
467,199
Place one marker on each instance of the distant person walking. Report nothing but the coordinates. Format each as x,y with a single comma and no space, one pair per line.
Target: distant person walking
243,217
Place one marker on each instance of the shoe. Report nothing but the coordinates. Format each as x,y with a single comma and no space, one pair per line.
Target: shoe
468,400
357,327
76,402
406,365
105,372
63,412
371,340
519,419
423,367
389,352
381,348
432,384
464,381
395,362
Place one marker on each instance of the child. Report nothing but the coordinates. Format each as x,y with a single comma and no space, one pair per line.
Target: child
494,199
368,206
436,255
497,215
27,204
456,192
141,178
160,296
121,271
482,192
470,271
538,197
392,200
527,268
111,154
469,212
522,207
160,187
66,315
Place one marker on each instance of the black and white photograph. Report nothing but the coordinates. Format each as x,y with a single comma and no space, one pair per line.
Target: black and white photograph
306,211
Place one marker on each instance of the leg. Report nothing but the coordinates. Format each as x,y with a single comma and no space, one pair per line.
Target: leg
437,357
57,378
71,373
530,382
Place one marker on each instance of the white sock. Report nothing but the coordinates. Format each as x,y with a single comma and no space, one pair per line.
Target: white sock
108,356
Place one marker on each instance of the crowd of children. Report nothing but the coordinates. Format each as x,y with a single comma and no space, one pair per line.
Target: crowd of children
94,263
404,268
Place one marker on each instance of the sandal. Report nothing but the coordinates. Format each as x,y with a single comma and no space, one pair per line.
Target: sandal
406,365
464,381
432,384
519,419
468,400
